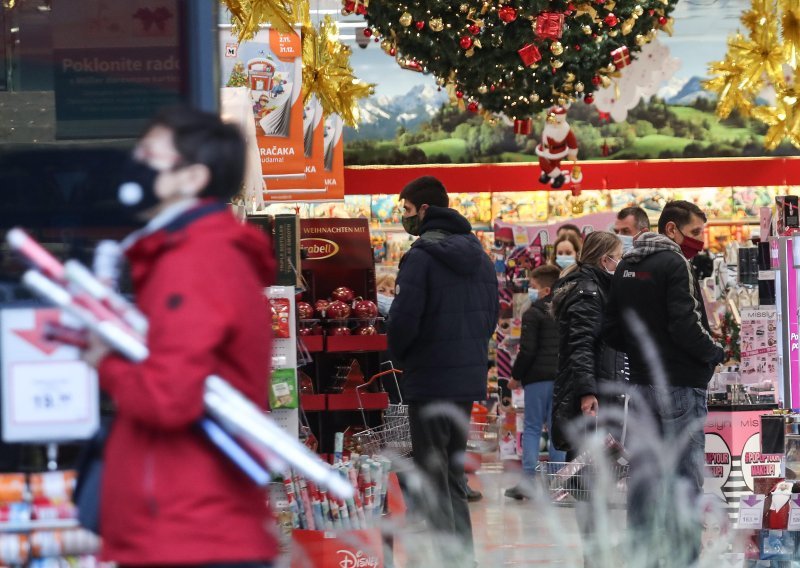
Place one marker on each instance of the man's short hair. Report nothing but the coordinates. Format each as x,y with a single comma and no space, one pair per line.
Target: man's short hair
546,275
639,217
425,190
569,227
202,138
680,213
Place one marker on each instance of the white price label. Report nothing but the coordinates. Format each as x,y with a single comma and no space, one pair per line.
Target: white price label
751,512
794,514
54,392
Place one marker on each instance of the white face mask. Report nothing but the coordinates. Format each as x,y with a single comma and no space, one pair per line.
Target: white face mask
616,263
564,260
627,242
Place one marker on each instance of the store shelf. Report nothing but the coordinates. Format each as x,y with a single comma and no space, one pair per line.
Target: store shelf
353,343
43,525
350,401
314,343
313,402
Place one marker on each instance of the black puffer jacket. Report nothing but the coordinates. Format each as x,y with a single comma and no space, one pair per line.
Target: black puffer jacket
586,365
444,311
656,291
537,360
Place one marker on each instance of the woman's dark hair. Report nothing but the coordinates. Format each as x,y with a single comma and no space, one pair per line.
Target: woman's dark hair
425,190
202,138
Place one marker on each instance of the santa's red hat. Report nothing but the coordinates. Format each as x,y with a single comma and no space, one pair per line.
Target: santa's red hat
557,110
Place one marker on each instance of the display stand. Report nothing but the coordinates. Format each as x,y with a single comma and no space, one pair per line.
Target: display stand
284,358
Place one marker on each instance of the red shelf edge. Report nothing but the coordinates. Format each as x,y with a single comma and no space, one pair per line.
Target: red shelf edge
346,343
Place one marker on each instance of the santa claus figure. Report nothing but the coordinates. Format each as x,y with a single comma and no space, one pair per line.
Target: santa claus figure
558,142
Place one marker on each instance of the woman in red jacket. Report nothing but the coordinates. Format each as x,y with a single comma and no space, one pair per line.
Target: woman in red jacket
168,497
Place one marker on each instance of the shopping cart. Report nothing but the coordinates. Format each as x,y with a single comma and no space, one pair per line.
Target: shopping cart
393,437
483,435
570,482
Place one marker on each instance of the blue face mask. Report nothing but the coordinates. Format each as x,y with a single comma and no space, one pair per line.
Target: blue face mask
564,260
533,294
627,242
384,304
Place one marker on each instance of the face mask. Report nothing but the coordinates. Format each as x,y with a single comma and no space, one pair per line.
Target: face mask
533,294
627,242
690,246
564,261
616,263
411,225
384,304
137,187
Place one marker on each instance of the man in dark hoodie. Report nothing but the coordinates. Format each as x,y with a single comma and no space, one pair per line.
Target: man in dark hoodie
444,312
656,315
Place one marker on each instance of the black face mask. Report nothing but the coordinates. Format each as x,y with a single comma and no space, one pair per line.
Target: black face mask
136,191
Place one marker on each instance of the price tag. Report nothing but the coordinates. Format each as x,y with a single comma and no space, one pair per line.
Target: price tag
751,512
49,392
794,513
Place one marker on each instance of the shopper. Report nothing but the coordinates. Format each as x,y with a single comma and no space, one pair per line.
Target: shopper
656,314
444,312
569,228
535,370
168,497
565,251
631,222
590,383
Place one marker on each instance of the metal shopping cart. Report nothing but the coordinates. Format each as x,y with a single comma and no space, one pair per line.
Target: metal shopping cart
393,437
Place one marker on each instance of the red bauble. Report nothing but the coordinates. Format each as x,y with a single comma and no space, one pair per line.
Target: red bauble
596,80
367,32
392,52
662,21
420,25
365,309
474,29
588,99
343,294
376,39
507,14
459,94
316,329
465,42
611,20
367,330
341,330
472,106
305,310
320,306
492,88
338,310
577,47
304,331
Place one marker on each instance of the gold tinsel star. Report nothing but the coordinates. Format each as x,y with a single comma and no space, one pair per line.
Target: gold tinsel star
726,83
783,119
327,73
248,15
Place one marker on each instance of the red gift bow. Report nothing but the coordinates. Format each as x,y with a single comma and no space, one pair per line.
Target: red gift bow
550,25
621,56
529,54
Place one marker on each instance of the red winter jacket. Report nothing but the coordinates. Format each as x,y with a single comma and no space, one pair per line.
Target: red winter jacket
168,496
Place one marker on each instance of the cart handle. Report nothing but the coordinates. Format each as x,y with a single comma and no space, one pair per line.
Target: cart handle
371,380
379,375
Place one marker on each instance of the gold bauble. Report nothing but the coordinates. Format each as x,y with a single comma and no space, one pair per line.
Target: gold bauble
579,87
441,82
483,89
436,24
464,8
556,63
613,33
569,77
640,39
406,19
556,48
534,98
638,10
386,45
587,29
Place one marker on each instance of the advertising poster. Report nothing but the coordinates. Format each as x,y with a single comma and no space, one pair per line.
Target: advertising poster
759,341
312,187
270,66
112,75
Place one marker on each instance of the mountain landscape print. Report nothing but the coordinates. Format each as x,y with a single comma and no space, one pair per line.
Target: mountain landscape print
410,120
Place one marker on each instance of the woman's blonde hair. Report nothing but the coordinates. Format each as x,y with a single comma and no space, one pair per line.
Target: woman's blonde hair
596,246
572,239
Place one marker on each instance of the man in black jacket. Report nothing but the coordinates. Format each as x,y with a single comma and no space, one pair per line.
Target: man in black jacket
444,312
656,315
535,369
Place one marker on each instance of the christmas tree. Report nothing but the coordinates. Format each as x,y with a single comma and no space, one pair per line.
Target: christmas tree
729,331
238,77
517,57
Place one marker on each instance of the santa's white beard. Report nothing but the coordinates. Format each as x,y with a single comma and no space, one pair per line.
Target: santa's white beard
556,131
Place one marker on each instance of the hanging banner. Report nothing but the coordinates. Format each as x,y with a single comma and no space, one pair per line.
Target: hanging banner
271,67
324,161
115,65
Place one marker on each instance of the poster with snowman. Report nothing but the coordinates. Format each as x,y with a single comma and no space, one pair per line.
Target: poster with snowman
270,67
